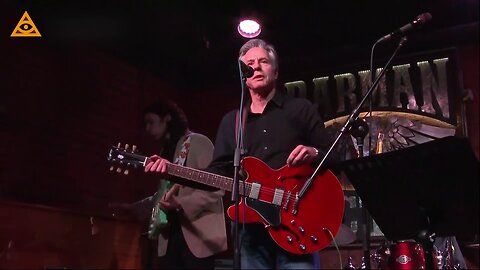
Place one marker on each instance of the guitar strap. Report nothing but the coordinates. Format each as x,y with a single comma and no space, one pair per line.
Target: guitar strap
180,159
182,155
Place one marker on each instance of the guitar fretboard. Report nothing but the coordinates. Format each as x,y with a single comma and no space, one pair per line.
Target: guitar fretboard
209,179
196,175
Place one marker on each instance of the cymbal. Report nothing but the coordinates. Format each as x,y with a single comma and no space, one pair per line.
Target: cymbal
345,236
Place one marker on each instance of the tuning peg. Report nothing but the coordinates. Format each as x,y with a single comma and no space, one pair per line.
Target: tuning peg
125,172
119,170
126,146
134,148
118,145
111,168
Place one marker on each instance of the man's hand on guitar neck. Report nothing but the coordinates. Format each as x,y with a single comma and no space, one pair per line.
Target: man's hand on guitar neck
159,165
156,164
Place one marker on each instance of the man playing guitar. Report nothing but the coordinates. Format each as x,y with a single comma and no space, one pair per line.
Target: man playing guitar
188,222
283,132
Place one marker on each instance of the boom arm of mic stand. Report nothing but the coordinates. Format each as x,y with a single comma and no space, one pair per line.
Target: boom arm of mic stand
353,116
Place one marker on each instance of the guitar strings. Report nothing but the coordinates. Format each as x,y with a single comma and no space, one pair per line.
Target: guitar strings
212,179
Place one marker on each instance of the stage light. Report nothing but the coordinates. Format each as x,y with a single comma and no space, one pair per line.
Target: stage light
249,28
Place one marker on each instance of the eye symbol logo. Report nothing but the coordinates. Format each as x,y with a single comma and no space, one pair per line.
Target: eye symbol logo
25,28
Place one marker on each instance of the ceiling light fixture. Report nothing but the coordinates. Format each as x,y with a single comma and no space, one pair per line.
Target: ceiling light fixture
249,28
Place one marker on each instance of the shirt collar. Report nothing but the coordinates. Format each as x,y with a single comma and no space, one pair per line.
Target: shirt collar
278,99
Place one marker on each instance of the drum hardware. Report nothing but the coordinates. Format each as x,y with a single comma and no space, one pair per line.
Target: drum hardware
445,259
364,263
350,265
381,255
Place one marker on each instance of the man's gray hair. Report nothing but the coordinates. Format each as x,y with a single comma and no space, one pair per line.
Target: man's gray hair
253,43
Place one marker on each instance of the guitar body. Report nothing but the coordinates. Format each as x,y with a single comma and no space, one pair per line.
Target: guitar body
302,217
158,218
300,226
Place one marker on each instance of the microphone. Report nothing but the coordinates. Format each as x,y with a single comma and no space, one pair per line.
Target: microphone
420,20
247,71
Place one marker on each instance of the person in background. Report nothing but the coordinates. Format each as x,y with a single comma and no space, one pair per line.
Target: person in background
189,222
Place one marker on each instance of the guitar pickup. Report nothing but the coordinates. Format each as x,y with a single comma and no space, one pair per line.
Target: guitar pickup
278,196
255,190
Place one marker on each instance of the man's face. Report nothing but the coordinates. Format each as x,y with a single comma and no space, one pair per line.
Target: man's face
155,125
265,74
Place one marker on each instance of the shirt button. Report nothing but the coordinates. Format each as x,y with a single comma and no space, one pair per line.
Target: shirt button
265,148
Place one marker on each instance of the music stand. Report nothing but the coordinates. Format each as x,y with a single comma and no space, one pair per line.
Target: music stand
430,188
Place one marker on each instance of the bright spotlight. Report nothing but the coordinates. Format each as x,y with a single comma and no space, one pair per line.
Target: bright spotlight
249,28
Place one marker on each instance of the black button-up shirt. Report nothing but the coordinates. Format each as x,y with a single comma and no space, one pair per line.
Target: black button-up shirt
272,135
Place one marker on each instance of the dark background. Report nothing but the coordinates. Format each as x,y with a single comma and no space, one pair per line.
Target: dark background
67,96
196,42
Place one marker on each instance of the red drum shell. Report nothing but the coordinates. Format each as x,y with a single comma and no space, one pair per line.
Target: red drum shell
406,255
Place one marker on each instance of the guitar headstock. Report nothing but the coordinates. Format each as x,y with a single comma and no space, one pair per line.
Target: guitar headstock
125,158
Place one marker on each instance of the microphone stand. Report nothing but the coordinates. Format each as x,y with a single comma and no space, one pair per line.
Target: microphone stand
239,151
350,122
359,130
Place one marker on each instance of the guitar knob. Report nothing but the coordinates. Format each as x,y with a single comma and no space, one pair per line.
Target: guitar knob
125,172
292,222
313,238
302,247
289,239
111,168
301,229
119,170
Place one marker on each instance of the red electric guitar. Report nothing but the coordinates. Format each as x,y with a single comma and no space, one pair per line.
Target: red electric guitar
301,216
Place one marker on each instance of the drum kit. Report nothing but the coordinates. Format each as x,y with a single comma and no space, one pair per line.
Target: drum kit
401,254
373,177
407,255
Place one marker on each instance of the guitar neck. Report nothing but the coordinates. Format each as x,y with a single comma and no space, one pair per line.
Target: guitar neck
209,179
130,158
